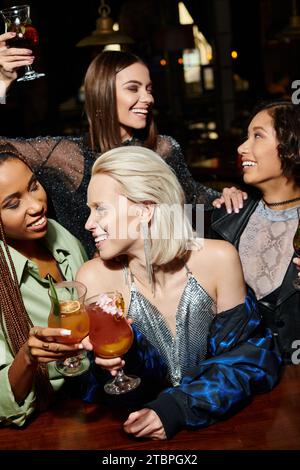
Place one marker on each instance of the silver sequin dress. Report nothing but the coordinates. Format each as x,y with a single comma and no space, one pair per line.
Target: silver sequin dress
195,312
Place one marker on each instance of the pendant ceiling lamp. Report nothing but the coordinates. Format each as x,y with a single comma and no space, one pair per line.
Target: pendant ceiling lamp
292,31
104,33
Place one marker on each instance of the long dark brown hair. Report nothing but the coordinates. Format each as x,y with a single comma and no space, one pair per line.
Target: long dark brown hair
15,321
101,102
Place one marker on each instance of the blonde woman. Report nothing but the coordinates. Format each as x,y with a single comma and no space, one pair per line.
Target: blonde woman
186,297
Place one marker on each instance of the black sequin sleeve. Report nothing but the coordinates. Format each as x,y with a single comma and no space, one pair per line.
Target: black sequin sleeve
195,192
62,154
62,165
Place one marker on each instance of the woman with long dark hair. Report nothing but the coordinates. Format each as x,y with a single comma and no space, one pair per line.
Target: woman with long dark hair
119,105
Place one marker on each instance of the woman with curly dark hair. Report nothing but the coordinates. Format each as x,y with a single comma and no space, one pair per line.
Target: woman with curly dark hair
263,232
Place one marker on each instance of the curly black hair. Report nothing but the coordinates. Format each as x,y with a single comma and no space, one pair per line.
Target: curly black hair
286,119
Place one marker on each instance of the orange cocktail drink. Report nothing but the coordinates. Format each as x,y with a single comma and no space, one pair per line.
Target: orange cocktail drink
68,312
72,316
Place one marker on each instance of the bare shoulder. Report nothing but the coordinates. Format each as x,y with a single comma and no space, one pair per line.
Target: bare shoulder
99,275
218,269
220,249
215,258
210,251
90,268
97,266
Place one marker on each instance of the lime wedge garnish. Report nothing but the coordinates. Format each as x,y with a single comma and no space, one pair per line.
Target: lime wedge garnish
54,297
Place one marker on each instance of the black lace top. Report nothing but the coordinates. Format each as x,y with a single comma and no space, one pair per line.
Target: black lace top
63,166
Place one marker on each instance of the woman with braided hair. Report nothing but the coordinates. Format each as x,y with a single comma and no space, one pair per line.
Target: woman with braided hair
31,246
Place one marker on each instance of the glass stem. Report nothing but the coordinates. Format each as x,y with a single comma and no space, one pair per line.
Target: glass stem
73,362
120,378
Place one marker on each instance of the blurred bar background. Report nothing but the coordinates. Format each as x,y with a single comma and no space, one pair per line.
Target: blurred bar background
211,61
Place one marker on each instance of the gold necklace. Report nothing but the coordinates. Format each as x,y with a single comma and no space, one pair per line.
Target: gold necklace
281,203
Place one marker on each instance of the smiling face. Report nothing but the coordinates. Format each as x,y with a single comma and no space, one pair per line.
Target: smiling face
134,98
260,160
23,202
114,220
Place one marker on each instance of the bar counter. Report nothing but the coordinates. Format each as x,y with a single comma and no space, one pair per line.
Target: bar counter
271,421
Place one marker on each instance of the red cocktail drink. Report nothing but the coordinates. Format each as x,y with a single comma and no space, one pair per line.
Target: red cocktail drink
17,20
111,336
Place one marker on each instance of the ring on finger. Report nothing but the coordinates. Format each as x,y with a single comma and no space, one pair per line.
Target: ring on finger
46,346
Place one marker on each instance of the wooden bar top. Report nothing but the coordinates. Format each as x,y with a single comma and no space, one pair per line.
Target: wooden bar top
270,422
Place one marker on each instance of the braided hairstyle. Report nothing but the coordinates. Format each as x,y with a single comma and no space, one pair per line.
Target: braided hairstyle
15,320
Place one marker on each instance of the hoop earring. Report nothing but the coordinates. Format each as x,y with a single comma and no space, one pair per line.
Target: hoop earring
147,250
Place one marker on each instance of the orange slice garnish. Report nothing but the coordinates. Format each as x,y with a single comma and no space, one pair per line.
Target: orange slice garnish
69,306
120,304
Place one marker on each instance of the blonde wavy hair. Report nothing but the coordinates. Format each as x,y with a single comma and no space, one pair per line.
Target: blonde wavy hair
144,177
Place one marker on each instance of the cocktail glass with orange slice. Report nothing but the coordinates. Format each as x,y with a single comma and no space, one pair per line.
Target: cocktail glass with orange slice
111,336
68,312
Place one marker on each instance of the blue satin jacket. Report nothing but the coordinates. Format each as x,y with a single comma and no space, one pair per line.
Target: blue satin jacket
241,361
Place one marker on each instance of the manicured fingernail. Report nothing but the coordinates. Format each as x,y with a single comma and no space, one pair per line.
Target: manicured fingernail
245,197
236,211
229,211
218,206
64,332
80,346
